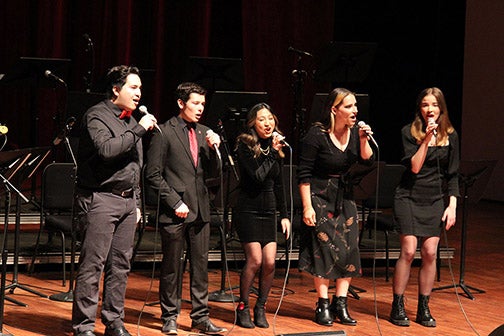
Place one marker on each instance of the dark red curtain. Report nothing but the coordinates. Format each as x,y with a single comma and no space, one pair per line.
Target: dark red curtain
157,36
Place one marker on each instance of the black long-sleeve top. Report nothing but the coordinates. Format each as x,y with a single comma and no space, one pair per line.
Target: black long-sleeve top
261,178
319,158
110,150
440,166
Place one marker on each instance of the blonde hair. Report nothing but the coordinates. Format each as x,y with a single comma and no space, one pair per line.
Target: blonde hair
334,99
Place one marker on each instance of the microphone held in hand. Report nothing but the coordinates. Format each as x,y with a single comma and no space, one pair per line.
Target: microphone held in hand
143,110
432,122
369,136
210,133
281,138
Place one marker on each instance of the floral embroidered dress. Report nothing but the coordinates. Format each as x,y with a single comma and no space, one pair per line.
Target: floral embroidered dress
330,249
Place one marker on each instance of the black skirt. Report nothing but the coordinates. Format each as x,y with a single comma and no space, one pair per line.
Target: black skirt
256,226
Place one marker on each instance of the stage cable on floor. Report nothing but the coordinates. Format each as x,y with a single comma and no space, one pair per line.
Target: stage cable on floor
288,242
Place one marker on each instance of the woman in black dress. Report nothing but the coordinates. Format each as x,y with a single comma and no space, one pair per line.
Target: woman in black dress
261,196
431,155
330,247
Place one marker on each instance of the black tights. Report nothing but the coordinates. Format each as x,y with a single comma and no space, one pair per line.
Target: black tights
258,258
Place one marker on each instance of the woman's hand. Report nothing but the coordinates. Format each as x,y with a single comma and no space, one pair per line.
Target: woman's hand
276,141
449,217
286,227
309,216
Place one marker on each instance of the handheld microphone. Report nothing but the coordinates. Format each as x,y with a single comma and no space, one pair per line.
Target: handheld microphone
211,133
370,137
49,74
432,122
281,138
143,110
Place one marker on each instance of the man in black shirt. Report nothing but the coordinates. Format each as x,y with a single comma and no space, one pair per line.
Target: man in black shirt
107,201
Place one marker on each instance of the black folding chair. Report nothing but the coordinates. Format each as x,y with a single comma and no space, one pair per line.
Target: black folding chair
58,181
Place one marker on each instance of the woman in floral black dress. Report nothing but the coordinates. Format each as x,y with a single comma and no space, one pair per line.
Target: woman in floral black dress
330,247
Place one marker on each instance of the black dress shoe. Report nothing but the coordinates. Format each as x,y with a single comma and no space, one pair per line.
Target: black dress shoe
119,331
170,327
207,327
85,333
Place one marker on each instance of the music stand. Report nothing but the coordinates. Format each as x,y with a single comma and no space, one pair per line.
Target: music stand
32,159
228,110
32,69
474,176
345,62
11,159
215,73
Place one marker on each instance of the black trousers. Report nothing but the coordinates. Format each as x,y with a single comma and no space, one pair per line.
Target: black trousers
173,239
107,227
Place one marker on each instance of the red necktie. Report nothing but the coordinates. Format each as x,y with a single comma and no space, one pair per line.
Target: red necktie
193,142
125,114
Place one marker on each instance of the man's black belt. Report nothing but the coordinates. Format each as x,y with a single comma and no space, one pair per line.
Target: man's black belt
128,193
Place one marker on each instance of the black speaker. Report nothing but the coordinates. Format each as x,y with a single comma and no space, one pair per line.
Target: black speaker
498,332
317,333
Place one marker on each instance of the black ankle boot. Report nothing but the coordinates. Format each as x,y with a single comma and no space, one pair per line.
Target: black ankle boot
339,308
323,315
398,315
424,316
243,316
260,316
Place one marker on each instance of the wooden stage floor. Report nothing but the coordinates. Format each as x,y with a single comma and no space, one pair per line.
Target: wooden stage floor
455,314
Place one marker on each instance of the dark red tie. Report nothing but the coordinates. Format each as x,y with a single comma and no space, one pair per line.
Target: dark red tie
125,114
193,142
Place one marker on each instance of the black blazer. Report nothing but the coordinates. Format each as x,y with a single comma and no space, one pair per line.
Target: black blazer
170,171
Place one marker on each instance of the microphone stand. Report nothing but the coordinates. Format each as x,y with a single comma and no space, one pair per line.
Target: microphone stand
221,295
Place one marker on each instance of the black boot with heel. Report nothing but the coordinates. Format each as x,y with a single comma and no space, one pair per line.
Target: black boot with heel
243,318
339,308
323,315
260,316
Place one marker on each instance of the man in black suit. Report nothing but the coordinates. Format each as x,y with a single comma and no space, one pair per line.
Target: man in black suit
178,161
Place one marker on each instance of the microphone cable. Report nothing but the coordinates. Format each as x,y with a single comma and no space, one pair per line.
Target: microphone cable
154,253
450,267
156,234
289,243
375,240
233,303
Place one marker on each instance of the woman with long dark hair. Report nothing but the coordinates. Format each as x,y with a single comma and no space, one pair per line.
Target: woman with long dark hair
261,195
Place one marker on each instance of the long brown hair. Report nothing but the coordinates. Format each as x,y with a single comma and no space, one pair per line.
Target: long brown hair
418,125
250,138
